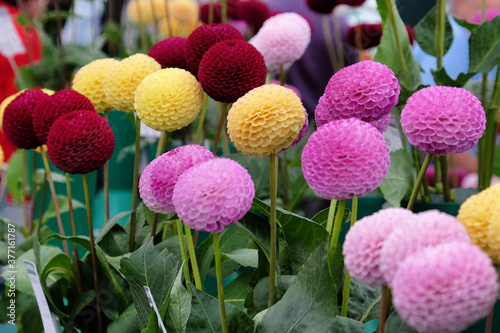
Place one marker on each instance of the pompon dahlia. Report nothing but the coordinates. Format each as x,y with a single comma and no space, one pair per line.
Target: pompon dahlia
89,82
367,90
302,132
345,158
254,12
427,229
170,52
61,103
230,69
158,179
364,241
382,123
443,120
203,38
168,99
322,6
17,122
6,102
213,194
282,40
494,229
123,77
265,120
205,13
446,288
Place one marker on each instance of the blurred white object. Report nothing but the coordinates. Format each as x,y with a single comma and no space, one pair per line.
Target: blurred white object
471,179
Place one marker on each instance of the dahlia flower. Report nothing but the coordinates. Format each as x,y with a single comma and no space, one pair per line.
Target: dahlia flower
322,6
6,102
302,132
205,13
170,52
382,123
494,228
254,12
490,14
145,12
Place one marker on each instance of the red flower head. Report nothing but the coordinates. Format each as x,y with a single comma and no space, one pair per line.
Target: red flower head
370,35
254,12
353,3
205,13
322,6
232,5
170,52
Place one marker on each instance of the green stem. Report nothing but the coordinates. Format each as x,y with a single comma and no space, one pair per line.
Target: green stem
392,15
272,221
73,232
222,119
339,47
42,201
131,243
185,267
448,193
223,6
420,178
211,12
440,27
347,280
286,180
337,225
202,119
160,144
106,181
192,256
282,75
33,193
220,286
154,226
438,184
329,44
24,184
331,214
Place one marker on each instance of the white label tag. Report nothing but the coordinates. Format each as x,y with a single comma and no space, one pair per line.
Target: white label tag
155,308
10,41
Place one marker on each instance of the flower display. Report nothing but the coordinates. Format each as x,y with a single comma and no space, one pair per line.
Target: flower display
123,77
89,82
205,13
254,12
230,69
443,120
168,99
345,158
367,90
364,241
445,288
265,120
322,6
213,194
80,142
170,52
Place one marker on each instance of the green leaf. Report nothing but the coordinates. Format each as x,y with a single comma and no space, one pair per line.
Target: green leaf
466,24
14,175
322,217
343,324
62,201
126,323
398,182
179,306
142,229
148,215
484,47
236,292
110,224
244,257
79,55
261,290
496,161
153,325
395,324
363,298
425,33
441,78
258,229
78,304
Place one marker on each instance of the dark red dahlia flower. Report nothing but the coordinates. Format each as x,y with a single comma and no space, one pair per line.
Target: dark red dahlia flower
364,36
411,34
170,52
353,3
254,12
205,13
231,9
322,6
80,142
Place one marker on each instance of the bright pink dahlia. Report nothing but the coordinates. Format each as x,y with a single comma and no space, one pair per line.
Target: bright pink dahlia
80,142
254,12
367,90
382,123
345,158
205,13
213,194
364,241
203,38
490,14
446,288
443,120
429,228
18,119
322,6
170,52
230,69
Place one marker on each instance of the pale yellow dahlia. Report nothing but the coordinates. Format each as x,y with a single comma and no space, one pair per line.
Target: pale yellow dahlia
177,28
183,10
146,11
123,77
494,228
265,120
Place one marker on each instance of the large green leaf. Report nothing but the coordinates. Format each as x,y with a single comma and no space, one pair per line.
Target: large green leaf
179,306
343,324
62,202
258,229
236,292
14,175
364,301
261,290
398,182
78,304
425,33
126,323
443,79
484,47
244,257
496,161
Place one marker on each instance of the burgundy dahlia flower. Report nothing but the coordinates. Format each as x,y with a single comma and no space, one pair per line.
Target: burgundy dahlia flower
170,52
254,12
205,13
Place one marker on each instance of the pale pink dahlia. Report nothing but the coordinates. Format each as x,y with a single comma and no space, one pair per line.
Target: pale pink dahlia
443,120
213,194
446,288
364,242
429,228
345,158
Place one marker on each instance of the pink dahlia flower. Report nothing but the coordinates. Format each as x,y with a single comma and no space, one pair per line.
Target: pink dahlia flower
446,288
364,241
490,14
213,194
382,123
443,120
345,158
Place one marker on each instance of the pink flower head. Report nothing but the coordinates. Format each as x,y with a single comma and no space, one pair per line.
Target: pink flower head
445,288
364,241
367,90
302,133
443,120
429,228
213,194
170,52
490,14
158,179
345,158
382,123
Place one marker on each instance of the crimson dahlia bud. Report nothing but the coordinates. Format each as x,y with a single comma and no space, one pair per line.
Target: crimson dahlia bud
322,6
170,52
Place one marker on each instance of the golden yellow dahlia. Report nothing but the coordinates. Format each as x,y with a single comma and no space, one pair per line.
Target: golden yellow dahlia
183,10
494,228
265,120
123,77
146,11
168,99
176,28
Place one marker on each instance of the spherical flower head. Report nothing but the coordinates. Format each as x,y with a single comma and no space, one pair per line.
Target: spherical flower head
443,120
183,10
205,13
61,103
6,102
213,194
145,12
89,82
490,14
289,86
123,77
302,132
353,3
254,12
174,28
322,6
168,99
265,120
367,90
170,52
445,288
80,142
282,40
17,122
203,38
364,241
345,158
494,228
427,229
364,36
230,69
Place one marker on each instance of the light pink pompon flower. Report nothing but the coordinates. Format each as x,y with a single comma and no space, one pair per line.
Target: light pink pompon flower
158,179
364,242
429,228
345,158
443,120
446,288
213,194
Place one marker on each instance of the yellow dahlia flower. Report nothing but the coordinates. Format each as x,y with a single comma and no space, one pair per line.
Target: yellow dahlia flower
168,99
265,120
494,228
146,11
123,77
183,10
176,28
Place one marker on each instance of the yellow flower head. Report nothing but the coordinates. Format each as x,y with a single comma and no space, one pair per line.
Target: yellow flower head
168,99
265,120
123,77
494,228
183,10
145,12
89,82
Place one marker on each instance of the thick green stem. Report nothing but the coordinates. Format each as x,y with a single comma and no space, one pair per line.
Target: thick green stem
438,184
24,184
222,119
211,12
73,232
331,215
329,43
202,119
339,47
159,147
223,6
392,15
272,221
33,194
185,267
131,243
192,257
347,280
420,178
106,181
220,286
42,201
282,75
448,193
337,225
440,27
155,225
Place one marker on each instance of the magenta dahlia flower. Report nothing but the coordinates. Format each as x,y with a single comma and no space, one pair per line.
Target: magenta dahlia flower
322,6
170,52
382,123
213,194
445,288
345,158
490,14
